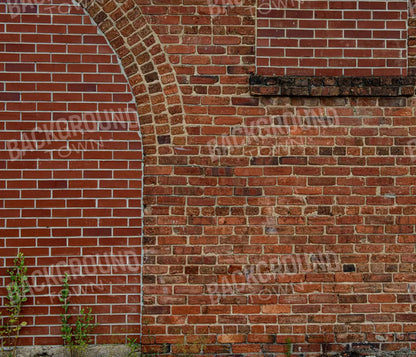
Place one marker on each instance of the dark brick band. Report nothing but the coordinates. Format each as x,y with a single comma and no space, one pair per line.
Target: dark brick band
332,86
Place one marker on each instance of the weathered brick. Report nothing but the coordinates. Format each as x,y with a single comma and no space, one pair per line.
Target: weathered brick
255,208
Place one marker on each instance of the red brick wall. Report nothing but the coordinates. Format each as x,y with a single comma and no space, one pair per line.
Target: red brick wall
331,38
256,209
71,170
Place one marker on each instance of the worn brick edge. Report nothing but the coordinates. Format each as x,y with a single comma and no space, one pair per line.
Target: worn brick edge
382,86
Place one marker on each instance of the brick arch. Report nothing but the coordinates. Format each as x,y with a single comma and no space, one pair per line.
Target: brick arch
149,72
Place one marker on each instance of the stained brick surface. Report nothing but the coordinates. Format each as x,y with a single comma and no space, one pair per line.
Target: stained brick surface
264,217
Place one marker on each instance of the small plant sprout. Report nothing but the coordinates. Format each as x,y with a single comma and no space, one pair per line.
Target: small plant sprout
77,336
289,346
17,292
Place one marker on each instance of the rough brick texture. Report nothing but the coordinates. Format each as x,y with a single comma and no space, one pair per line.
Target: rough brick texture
264,217
316,86
331,38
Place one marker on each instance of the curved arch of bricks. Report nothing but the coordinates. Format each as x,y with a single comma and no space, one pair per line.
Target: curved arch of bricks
150,74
